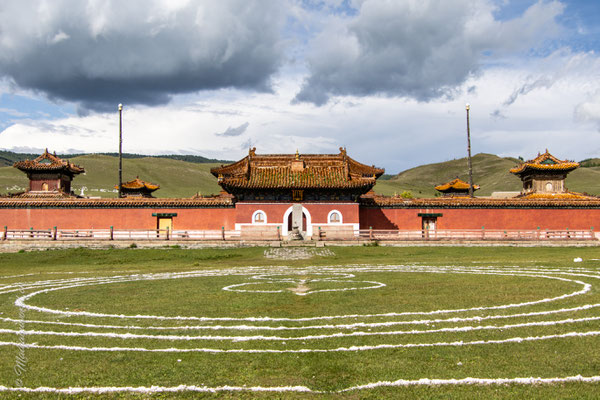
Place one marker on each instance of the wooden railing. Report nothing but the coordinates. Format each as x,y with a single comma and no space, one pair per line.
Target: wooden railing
475,234
117,234
323,234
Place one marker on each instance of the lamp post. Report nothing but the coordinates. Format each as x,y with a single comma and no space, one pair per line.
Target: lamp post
468,107
120,150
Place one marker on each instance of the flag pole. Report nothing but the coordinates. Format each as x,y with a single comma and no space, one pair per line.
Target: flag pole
468,107
120,150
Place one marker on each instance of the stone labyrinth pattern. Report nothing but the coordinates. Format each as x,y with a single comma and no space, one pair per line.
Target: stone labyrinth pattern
302,335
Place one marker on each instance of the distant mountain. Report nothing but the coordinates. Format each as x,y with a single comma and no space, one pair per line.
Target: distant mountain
590,162
8,158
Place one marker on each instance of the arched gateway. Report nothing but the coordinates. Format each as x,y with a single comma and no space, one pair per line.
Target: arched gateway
303,222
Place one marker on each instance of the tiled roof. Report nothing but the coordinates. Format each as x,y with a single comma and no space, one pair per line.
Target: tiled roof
467,202
559,196
545,162
138,184
284,177
48,162
295,171
54,194
456,184
127,202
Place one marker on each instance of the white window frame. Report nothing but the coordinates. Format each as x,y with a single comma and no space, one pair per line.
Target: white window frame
255,213
329,217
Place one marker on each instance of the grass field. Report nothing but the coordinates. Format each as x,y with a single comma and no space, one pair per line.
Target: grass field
347,322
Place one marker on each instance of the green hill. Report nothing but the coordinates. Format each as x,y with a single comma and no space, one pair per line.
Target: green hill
179,178
176,178
489,171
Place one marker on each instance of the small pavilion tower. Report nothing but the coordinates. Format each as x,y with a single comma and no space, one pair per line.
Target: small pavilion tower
49,174
455,188
545,174
138,188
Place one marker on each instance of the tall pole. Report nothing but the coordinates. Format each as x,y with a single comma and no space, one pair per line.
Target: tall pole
120,150
468,107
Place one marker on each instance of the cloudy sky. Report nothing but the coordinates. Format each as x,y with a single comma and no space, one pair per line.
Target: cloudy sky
386,79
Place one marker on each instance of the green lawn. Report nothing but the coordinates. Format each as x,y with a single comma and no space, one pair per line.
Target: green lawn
339,320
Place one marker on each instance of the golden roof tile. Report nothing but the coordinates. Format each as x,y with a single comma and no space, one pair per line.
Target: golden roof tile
126,202
455,184
297,171
468,202
545,162
138,184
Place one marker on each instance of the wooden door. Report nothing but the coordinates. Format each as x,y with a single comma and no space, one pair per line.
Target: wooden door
428,226
164,224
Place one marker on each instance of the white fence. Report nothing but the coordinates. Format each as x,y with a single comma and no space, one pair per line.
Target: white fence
476,234
118,234
323,235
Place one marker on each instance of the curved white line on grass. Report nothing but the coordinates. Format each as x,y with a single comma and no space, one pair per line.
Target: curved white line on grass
476,381
296,338
157,389
15,276
458,343
230,288
304,389
273,277
20,302
50,286
309,327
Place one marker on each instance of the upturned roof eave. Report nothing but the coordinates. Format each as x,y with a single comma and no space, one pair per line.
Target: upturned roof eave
526,168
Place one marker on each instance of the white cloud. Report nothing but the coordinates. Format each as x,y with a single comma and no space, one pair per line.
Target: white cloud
589,111
417,49
59,37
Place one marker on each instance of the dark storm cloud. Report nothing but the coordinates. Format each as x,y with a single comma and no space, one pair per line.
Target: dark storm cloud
421,50
234,131
99,54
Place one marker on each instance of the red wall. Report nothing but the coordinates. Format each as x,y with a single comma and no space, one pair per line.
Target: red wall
494,218
275,212
119,218
378,218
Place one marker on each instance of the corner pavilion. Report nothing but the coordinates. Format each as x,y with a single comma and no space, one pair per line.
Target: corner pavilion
49,175
544,176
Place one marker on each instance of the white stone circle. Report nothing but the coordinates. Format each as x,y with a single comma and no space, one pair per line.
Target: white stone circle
264,328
